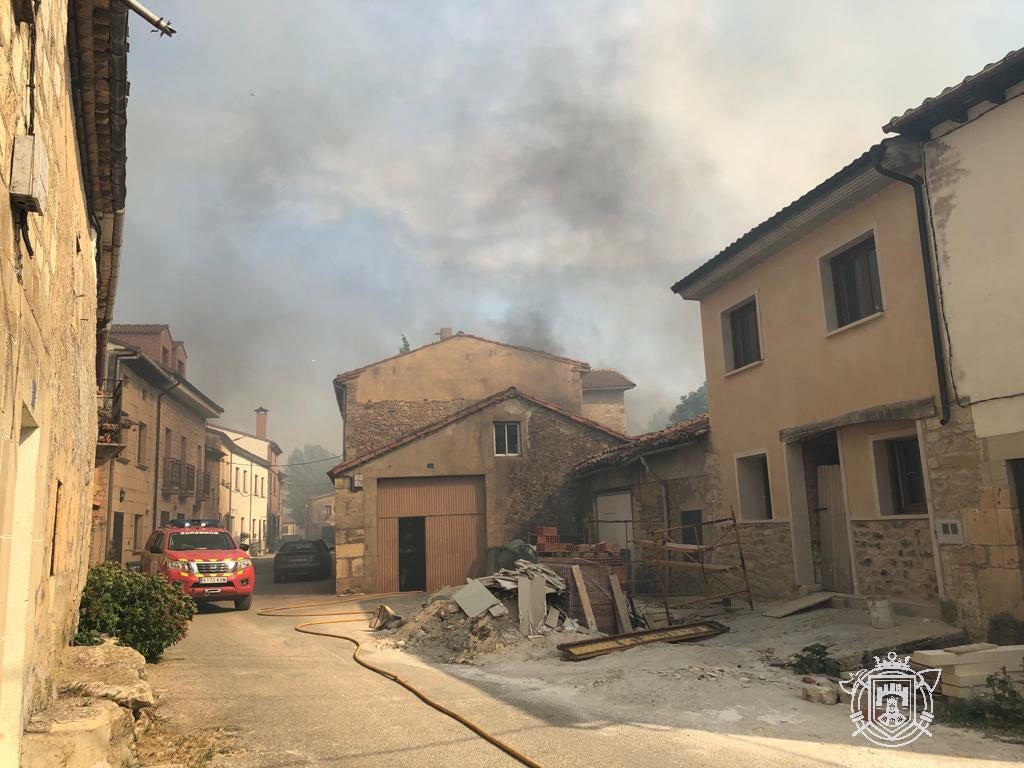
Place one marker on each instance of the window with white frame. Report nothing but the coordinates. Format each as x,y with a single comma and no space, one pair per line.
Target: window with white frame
754,487
506,438
741,335
850,284
899,476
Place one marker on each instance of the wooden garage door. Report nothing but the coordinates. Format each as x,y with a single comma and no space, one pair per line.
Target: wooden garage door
456,533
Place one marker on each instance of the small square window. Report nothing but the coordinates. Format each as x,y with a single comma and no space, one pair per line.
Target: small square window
900,477
851,285
741,335
506,438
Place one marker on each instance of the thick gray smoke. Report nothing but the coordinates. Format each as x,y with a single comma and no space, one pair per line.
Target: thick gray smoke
304,188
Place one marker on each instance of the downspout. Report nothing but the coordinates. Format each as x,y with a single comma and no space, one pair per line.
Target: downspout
159,442
877,156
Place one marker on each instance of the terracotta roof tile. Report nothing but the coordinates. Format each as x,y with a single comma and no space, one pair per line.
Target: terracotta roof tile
136,328
605,378
479,405
682,433
993,79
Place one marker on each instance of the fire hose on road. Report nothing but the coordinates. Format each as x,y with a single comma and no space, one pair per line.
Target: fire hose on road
342,617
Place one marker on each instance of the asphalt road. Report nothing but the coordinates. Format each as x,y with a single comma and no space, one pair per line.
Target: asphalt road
299,700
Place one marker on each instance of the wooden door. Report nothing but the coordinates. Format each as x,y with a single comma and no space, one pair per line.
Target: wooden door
836,572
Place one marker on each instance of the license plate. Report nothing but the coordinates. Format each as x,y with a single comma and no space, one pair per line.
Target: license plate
212,580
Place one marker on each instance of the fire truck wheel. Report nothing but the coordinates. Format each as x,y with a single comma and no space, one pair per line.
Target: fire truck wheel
243,603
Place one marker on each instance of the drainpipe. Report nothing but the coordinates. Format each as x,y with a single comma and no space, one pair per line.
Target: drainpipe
929,270
159,442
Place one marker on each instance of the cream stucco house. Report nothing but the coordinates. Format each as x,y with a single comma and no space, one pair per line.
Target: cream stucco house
243,488
866,408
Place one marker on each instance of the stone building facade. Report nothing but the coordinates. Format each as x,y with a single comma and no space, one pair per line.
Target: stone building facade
59,250
470,492
390,398
162,471
631,492
973,178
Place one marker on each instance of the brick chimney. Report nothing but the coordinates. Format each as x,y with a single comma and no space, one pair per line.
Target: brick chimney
261,422
445,333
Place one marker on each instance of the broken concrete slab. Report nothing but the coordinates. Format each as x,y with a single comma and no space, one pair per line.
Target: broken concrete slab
474,599
781,610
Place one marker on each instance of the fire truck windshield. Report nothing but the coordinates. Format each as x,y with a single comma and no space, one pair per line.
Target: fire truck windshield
189,540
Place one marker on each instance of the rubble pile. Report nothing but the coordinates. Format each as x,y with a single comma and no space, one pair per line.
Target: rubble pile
442,629
488,614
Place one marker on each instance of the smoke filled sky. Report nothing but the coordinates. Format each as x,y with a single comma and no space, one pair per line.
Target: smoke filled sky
309,181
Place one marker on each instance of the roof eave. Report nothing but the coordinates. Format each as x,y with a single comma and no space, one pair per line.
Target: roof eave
858,182
990,84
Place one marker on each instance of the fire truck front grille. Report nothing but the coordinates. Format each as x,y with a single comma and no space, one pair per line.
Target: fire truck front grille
212,567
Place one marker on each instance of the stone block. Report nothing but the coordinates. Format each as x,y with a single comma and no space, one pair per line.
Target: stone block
342,571
1001,589
350,550
981,527
819,694
356,566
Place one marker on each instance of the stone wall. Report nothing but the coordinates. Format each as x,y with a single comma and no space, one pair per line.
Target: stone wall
767,547
606,406
48,417
894,558
521,491
968,482
368,425
538,489
350,538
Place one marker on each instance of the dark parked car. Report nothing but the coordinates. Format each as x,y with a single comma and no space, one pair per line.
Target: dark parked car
303,559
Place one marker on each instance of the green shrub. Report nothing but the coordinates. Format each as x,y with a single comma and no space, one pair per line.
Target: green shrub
146,613
815,660
1003,629
1001,710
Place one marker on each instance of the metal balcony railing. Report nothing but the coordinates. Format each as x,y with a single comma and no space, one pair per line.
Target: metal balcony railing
189,486
108,406
172,474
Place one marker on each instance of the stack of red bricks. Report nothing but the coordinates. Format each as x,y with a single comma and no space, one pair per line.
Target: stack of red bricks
548,543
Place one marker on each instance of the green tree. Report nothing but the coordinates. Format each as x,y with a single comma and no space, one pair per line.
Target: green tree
306,470
405,346
691,404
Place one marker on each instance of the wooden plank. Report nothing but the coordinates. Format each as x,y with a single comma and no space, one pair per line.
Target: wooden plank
671,546
581,587
716,567
523,594
621,609
588,649
800,604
